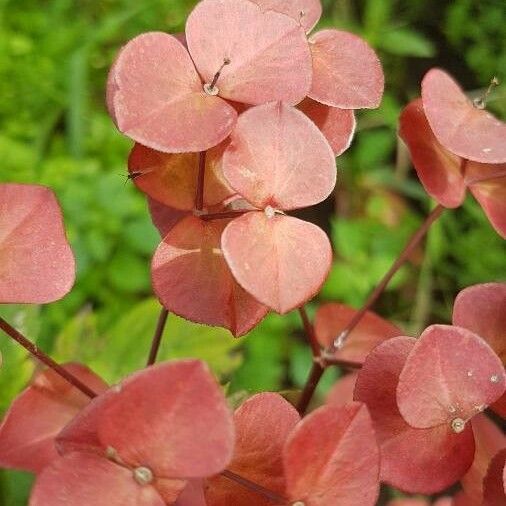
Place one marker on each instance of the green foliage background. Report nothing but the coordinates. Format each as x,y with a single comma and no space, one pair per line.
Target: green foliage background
54,58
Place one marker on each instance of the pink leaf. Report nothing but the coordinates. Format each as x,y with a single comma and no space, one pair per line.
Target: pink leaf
171,178
337,125
342,469
268,53
38,414
306,12
192,279
494,484
459,126
346,71
342,391
263,424
164,217
450,376
441,457
192,495
172,418
280,260
332,318
156,97
277,157
80,479
439,170
36,263
487,183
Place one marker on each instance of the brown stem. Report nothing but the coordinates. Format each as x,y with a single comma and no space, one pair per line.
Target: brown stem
199,197
307,394
309,329
157,338
272,496
45,359
222,216
346,364
399,262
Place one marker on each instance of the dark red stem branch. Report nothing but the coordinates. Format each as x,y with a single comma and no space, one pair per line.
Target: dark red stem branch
199,197
222,216
157,338
309,389
309,329
272,496
45,359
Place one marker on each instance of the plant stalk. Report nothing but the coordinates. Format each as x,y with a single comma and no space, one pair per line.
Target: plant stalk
310,333
157,338
258,489
199,197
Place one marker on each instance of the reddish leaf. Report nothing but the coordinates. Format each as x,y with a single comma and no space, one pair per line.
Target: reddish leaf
268,53
306,12
280,260
337,125
36,263
480,309
450,376
489,440
165,218
342,391
172,178
192,495
439,170
192,279
155,96
38,414
487,183
346,71
170,395
342,469
494,484
79,479
409,501
441,458
263,424
277,157
332,318
459,126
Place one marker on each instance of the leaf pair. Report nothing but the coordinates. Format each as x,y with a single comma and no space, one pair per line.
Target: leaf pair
457,146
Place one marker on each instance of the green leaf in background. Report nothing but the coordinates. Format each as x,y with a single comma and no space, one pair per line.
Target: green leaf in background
15,487
406,42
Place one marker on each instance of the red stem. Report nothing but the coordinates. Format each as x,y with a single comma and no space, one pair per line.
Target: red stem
157,338
222,216
272,496
199,197
307,393
45,359
311,336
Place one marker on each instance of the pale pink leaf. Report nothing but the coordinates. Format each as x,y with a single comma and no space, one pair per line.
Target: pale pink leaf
156,97
342,391
268,53
306,12
278,157
346,71
37,265
450,376
458,124
280,260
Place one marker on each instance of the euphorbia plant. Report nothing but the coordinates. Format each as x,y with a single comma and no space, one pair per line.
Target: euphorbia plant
237,123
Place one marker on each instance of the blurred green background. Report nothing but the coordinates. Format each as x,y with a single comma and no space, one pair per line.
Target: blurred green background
54,59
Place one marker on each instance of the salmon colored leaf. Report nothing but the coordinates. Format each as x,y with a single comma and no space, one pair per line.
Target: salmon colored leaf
342,391
36,263
306,12
260,55
332,458
337,125
192,495
38,414
79,479
459,125
279,158
494,484
439,171
450,376
171,178
332,318
346,71
442,456
280,260
263,424
172,418
192,279
165,218
155,96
